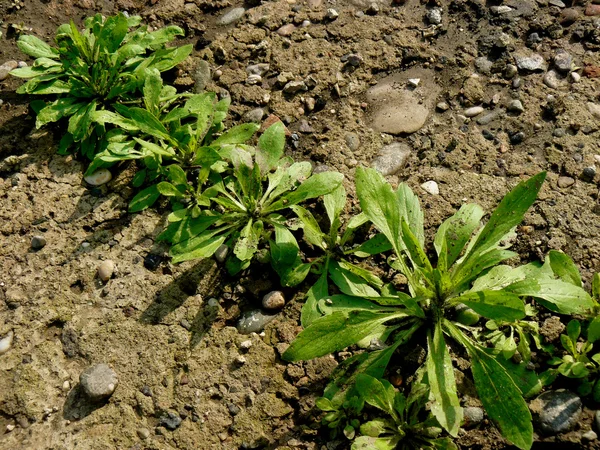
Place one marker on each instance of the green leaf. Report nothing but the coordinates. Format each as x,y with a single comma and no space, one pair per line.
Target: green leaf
144,199
374,428
203,106
507,215
350,283
498,392
334,332
310,310
145,121
456,232
316,185
81,121
410,211
203,249
152,88
270,147
168,190
440,373
32,46
556,295
464,273
596,287
113,32
247,244
335,203
495,305
177,175
103,116
594,330
564,268
414,248
377,244
377,393
372,443
237,135
53,112
312,232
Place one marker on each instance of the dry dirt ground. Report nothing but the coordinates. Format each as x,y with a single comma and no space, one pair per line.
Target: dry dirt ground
177,352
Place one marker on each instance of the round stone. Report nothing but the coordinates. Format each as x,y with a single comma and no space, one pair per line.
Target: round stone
106,270
273,300
38,242
473,415
98,382
99,177
231,16
143,433
253,321
565,182
472,112
392,158
556,411
431,187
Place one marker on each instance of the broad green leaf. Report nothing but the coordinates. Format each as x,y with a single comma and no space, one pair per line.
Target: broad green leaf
239,134
145,121
377,393
564,268
498,392
507,215
310,310
594,330
113,32
316,185
456,232
414,248
81,120
380,204
177,174
527,380
375,427
103,116
373,443
32,46
168,58
350,283
203,105
340,302
63,107
203,249
440,373
168,190
596,287
556,295
464,273
334,332
247,244
144,199
377,244
152,88
365,274
335,203
312,232
495,305
410,211
270,147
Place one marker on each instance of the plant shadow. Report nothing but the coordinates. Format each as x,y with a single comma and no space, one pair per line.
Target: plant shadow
77,406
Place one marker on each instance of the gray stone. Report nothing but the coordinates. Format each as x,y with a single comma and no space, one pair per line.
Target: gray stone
6,68
258,69
510,71
170,420
557,3
563,61
143,433
474,111
98,381
286,30
483,65
556,411
254,115
273,300
331,14
201,76
431,187
594,109
392,158
99,177
38,242
434,16
221,253
253,321
551,79
106,270
442,106
565,182
354,59
352,141
589,436
473,415
231,16
516,106
531,63
292,87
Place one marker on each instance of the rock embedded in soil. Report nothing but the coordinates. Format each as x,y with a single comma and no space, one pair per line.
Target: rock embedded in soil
98,381
473,415
588,174
170,420
106,270
38,242
6,68
202,76
221,253
552,79
143,433
474,111
273,300
515,106
588,436
565,182
530,63
392,158
254,115
99,177
594,109
396,112
253,321
6,342
556,411
231,16
563,61
152,261
431,187
434,16
286,30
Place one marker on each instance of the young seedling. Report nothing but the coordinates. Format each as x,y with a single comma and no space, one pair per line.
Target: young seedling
468,272
93,70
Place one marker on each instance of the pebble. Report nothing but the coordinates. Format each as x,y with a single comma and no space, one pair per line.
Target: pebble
201,76
352,141
273,300
373,9
170,420
231,16
431,187
531,63
473,415
354,59
575,77
106,270
434,16
6,342
442,106
253,321
392,158
258,69
473,111
568,16
99,177
556,411
286,30
565,182
245,345
597,419
6,68
588,174
66,386
221,253
516,106
510,71
594,109
253,79
589,436
331,14
10,427
558,3
98,381
551,79
563,61
516,137
143,433
38,242
152,261
484,65
414,82
293,87
592,10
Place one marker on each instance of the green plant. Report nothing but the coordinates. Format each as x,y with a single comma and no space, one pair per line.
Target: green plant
468,272
92,71
241,209
405,428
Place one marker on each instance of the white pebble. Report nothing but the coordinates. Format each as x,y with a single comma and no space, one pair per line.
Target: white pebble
414,81
575,77
10,427
6,342
105,270
98,178
66,386
472,112
246,344
431,187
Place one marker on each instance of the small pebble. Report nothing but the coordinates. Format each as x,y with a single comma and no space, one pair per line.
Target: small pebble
273,300
10,427
431,187
575,77
588,174
510,71
231,16
152,261
332,14
245,345
253,321
170,420
414,82
106,270
99,177
530,63
589,436
434,16
38,242
221,253
98,381
240,360
565,182
286,30
6,342
472,112
373,9
66,386
143,433
516,138
516,106
442,106
6,68
563,61
392,158
551,79
473,415
556,411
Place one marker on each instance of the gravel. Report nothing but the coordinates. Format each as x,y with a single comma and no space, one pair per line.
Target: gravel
38,242
431,187
170,420
392,158
273,300
231,16
98,381
253,321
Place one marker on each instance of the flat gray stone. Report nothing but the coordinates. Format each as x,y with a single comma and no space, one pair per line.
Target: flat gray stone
556,411
530,63
98,382
201,76
253,321
392,158
231,16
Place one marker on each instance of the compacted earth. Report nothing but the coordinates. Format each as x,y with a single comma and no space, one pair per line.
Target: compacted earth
460,99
